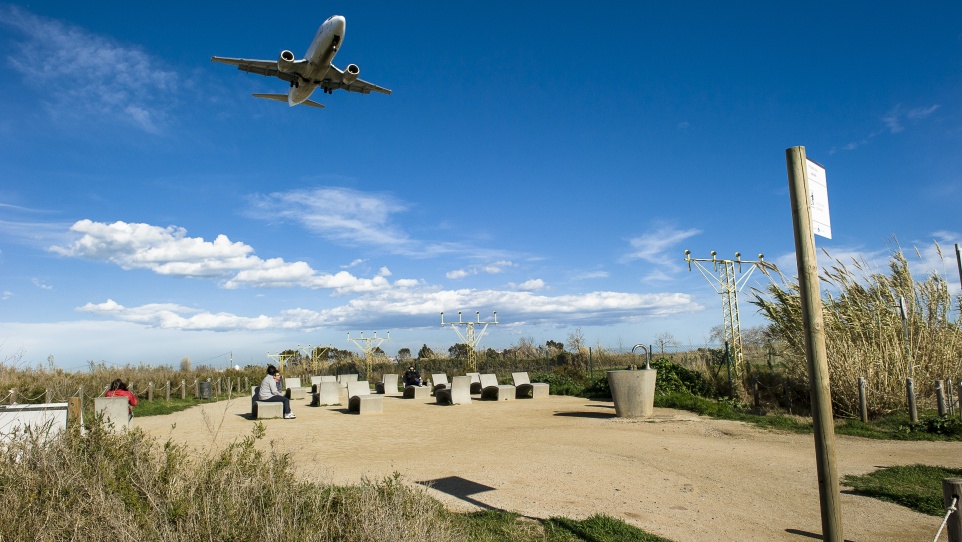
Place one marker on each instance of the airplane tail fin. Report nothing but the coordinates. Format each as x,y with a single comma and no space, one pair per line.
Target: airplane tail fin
283,98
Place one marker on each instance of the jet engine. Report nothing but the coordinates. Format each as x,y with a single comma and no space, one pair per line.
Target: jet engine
285,62
350,74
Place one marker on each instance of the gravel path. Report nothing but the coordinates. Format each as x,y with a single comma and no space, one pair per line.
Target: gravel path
677,475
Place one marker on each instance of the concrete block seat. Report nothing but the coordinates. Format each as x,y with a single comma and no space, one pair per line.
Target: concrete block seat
115,411
459,393
417,392
344,379
490,389
326,393
293,389
387,385
440,381
475,383
264,409
360,399
525,389
315,380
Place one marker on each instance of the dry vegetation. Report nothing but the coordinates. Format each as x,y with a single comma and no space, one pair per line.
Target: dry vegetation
864,332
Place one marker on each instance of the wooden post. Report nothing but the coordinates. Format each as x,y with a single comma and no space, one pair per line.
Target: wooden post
755,392
862,399
150,391
949,393
14,396
940,399
167,392
196,389
75,407
910,396
218,386
48,397
952,490
815,352
183,389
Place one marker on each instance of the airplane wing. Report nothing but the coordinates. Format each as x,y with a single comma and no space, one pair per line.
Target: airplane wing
335,80
267,68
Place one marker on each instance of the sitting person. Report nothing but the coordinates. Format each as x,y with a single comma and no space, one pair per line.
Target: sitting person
269,391
119,389
411,377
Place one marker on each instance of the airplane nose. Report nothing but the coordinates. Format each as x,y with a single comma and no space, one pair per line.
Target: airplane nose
339,23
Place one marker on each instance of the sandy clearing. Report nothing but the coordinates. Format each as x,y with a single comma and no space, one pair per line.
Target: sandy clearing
677,475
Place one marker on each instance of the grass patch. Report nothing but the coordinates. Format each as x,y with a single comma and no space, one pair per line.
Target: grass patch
598,528
918,487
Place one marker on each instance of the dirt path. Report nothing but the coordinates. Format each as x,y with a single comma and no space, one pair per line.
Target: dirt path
677,475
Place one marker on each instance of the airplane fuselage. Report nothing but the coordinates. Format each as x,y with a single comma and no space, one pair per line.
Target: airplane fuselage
327,41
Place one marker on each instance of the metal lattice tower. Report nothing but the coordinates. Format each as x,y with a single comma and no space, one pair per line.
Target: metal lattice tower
469,337
313,355
725,283
280,359
368,345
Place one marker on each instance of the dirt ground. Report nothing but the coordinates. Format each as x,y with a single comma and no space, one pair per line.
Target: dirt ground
677,475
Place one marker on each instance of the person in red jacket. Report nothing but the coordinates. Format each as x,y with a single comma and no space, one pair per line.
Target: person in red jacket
119,389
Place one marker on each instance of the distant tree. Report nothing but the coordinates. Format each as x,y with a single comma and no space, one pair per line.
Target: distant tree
459,351
404,354
425,353
576,341
665,339
525,348
554,345
185,364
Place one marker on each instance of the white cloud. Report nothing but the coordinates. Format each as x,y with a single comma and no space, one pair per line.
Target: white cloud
651,247
413,308
456,274
5,295
87,76
592,275
39,284
490,268
894,122
532,285
168,251
355,263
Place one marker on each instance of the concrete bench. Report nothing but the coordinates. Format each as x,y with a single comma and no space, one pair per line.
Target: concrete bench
475,383
527,389
360,399
344,379
417,392
268,409
440,381
387,385
293,389
490,389
458,394
315,380
326,393
114,410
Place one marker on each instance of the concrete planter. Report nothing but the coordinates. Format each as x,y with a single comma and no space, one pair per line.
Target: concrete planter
633,392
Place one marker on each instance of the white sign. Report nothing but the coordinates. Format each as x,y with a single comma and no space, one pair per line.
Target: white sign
818,199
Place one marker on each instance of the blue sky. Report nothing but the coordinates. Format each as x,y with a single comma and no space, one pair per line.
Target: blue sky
548,161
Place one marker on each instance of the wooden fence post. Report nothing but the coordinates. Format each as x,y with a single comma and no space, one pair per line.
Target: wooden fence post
183,389
949,392
862,399
167,394
74,409
150,391
940,398
196,389
14,396
910,394
755,394
952,490
48,398
219,391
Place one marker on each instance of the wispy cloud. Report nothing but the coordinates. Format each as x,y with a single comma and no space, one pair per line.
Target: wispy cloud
651,247
353,217
893,122
168,251
490,268
40,284
87,76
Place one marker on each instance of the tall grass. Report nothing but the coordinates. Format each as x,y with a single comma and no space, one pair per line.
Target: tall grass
864,335
102,485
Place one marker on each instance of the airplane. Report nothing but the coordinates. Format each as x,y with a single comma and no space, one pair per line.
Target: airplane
312,71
